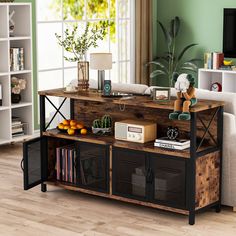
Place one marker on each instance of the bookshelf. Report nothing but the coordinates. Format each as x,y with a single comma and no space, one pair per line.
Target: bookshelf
227,79
21,38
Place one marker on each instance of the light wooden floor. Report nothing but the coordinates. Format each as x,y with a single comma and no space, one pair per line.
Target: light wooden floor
60,212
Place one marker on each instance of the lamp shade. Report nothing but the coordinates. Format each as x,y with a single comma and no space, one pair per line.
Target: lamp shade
101,61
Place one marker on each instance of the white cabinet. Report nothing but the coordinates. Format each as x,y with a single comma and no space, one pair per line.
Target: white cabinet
22,38
226,78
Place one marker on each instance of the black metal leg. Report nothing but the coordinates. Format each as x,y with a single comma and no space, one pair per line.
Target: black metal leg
192,169
220,127
191,218
43,188
42,114
218,208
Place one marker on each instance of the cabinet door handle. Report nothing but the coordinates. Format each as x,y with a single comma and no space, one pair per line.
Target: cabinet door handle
22,164
149,176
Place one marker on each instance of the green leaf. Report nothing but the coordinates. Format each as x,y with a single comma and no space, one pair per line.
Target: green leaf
188,69
190,64
167,35
194,60
185,50
156,73
174,27
156,63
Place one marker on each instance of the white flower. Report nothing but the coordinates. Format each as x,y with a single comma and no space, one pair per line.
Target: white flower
16,89
22,84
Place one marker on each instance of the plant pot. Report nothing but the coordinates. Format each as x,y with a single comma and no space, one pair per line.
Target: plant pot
83,75
101,131
15,98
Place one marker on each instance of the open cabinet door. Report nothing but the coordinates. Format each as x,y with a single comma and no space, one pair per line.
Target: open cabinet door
32,163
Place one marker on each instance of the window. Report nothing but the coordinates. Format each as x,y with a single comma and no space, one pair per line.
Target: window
54,16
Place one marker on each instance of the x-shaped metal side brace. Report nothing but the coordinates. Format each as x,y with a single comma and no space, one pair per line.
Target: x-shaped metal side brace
57,111
207,131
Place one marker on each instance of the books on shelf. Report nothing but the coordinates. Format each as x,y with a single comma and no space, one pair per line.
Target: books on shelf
65,165
178,144
17,128
16,59
213,60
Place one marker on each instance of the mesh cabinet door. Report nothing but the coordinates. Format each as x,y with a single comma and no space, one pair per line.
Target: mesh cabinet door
93,166
129,174
169,183
32,163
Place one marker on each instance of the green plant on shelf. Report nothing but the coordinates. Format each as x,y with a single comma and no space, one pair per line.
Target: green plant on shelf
172,61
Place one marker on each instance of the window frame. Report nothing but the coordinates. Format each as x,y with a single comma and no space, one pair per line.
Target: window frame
117,60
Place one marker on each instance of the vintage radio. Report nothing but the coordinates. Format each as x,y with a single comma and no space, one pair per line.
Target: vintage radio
135,131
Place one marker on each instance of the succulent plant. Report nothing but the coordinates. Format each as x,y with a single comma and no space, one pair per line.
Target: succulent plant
97,123
106,121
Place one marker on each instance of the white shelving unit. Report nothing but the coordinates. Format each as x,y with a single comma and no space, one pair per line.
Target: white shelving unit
22,38
226,78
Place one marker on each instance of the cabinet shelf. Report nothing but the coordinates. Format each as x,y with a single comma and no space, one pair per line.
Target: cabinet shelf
3,108
19,38
226,78
21,104
110,140
20,72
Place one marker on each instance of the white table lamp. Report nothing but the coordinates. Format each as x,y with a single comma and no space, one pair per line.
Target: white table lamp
101,62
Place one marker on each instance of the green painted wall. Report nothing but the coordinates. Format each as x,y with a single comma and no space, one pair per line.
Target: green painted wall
34,59
202,23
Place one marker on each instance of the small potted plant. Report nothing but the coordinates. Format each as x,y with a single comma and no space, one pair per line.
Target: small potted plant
17,85
78,45
102,126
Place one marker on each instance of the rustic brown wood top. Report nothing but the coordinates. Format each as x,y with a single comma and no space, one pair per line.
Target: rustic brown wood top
136,100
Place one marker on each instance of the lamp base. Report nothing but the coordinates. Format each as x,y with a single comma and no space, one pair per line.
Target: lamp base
101,78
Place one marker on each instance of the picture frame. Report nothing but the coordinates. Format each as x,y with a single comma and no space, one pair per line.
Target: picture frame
161,94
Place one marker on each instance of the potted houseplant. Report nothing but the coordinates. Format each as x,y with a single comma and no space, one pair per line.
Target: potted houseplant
17,85
79,44
172,61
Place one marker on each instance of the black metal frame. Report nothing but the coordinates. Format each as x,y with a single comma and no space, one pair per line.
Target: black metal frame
194,154
43,125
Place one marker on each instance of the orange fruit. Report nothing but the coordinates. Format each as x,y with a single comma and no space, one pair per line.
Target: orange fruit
73,123
66,122
73,127
60,126
71,131
66,127
80,126
83,131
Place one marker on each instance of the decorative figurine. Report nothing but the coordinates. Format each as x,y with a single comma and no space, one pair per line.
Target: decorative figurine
184,85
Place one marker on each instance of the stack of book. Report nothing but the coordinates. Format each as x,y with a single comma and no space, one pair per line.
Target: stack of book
178,144
213,60
17,59
17,128
65,165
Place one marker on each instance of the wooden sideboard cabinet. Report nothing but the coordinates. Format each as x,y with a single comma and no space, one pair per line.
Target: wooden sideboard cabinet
184,182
